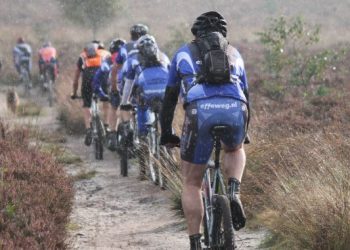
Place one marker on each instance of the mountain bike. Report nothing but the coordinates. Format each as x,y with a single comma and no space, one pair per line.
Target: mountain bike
25,77
48,81
126,136
155,151
97,127
217,221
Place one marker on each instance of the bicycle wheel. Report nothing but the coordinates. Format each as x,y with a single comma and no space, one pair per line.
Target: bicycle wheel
123,149
151,156
222,234
98,138
49,80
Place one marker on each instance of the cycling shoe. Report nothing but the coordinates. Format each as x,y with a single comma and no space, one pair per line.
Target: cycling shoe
237,212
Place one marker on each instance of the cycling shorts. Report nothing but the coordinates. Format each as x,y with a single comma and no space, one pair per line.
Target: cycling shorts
201,115
115,100
86,87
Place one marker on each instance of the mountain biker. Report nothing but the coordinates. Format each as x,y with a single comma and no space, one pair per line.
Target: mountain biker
211,98
146,76
136,31
47,58
22,57
101,86
89,62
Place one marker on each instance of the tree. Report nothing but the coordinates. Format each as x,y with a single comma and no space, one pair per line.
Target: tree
90,13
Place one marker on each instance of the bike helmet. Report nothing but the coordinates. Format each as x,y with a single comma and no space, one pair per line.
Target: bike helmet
209,22
138,30
100,44
147,45
20,40
46,44
116,44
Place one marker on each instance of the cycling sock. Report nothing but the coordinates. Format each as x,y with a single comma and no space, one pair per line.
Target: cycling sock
234,186
195,241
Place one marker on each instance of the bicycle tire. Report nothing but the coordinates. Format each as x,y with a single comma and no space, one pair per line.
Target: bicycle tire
223,234
123,151
124,163
98,140
205,223
151,154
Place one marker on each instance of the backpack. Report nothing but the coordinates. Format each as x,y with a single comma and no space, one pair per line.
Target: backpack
151,84
91,50
212,51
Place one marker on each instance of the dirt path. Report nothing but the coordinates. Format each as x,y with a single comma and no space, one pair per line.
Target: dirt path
112,212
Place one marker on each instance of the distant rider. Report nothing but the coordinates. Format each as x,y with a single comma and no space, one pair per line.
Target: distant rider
47,61
101,85
89,62
146,76
22,56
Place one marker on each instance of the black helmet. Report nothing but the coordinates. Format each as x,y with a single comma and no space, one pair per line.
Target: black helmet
100,44
138,30
116,44
209,22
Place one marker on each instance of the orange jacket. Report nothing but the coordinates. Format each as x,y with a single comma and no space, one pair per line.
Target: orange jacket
95,61
47,53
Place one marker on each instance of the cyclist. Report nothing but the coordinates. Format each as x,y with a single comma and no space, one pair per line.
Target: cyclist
101,88
88,63
47,58
146,75
136,31
22,56
211,77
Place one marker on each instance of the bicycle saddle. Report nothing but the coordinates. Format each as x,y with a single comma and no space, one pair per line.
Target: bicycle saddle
219,130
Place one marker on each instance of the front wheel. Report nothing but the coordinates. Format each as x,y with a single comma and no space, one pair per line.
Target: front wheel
222,234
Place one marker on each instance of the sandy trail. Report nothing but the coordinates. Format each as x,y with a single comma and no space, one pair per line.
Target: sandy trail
112,212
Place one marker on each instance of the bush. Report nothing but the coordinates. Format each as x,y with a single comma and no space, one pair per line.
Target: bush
290,60
303,187
36,196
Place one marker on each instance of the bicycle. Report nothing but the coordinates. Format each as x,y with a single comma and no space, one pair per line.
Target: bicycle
126,136
48,81
97,127
155,151
217,220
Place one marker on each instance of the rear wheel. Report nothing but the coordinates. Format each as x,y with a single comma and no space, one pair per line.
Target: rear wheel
98,131
222,235
151,156
123,149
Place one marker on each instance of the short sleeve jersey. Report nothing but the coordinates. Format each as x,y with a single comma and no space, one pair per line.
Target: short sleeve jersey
183,71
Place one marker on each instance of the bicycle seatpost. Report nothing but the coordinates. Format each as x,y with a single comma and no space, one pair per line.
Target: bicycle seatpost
217,145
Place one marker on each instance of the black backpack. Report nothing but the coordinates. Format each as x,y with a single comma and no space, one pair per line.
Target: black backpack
211,51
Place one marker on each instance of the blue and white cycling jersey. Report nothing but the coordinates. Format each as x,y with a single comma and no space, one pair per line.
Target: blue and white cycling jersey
183,71
128,49
100,81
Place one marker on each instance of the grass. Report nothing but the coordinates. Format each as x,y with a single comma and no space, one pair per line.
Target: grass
61,154
306,191
85,175
29,109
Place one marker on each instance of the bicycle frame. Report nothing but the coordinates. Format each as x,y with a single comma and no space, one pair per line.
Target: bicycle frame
213,183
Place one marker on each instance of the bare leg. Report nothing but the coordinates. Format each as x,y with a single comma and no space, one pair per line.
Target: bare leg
234,162
87,117
113,117
191,195
105,109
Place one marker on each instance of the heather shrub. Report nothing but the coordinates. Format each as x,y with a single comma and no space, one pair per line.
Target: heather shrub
35,196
